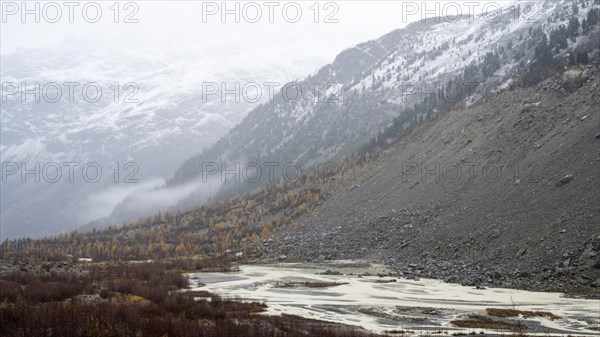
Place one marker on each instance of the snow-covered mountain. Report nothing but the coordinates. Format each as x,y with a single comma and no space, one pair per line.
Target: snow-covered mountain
368,85
159,118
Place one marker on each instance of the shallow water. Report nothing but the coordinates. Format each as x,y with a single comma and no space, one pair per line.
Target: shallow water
402,305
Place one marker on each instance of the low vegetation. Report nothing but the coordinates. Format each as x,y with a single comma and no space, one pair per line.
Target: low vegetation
483,322
134,299
516,313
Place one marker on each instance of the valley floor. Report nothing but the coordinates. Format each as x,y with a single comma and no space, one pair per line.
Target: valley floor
365,295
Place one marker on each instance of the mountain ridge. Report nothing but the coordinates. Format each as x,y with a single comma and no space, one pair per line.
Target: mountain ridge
372,84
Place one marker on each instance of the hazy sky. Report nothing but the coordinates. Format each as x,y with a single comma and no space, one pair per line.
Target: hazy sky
160,25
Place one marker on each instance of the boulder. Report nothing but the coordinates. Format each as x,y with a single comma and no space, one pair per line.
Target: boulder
572,79
564,180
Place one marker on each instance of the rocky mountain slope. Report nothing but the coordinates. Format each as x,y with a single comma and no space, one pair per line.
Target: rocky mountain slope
505,193
330,113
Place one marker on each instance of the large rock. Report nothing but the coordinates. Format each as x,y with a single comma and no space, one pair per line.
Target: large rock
572,79
564,180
